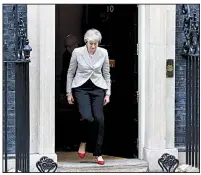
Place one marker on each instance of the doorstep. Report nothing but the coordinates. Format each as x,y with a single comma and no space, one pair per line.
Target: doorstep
112,164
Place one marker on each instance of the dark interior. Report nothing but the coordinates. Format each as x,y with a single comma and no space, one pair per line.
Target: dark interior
119,27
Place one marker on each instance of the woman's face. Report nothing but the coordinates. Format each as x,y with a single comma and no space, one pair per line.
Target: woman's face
92,45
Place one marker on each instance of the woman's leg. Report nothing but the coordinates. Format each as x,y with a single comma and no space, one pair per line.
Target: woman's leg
84,130
84,105
97,99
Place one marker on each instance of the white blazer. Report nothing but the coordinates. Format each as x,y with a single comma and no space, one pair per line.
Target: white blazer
82,67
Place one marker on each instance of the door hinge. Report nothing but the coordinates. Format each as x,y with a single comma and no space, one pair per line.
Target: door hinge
137,49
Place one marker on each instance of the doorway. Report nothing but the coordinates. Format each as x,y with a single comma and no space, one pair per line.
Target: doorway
119,27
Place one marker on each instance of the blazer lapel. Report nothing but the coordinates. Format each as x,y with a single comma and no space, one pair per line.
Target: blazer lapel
96,55
86,57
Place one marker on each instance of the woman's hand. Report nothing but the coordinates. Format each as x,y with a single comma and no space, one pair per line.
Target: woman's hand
70,98
106,99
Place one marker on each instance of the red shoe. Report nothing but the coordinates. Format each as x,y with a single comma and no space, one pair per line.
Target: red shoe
100,162
81,155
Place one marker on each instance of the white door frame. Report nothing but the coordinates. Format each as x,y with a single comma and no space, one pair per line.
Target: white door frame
141,79
38,38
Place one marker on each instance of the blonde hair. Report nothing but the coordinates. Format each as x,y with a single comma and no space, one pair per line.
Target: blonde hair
92,35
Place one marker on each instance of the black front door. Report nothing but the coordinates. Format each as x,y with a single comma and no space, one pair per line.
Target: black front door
119,27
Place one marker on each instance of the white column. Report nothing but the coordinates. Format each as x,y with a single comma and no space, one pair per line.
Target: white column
34,73
155,119
157,123
170,82
47,79
41,33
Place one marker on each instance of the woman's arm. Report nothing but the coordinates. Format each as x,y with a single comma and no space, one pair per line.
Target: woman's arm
106,73
71,72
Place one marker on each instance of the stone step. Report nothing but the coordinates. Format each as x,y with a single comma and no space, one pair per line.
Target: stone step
122,165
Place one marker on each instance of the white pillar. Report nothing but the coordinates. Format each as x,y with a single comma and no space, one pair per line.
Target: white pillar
41,33
159,116
170,82
47,79
34,73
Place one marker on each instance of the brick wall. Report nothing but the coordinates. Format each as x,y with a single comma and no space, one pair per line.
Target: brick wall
180,78
9,47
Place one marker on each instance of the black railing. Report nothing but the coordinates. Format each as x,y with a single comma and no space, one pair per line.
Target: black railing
5,119
192,110
21,64
22,116
191,52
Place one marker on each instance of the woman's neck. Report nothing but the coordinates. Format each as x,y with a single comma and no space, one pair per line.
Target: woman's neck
91,53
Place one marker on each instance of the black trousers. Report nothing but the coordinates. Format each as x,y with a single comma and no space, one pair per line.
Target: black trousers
90,100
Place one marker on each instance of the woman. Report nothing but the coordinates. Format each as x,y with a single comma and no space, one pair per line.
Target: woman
89,76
